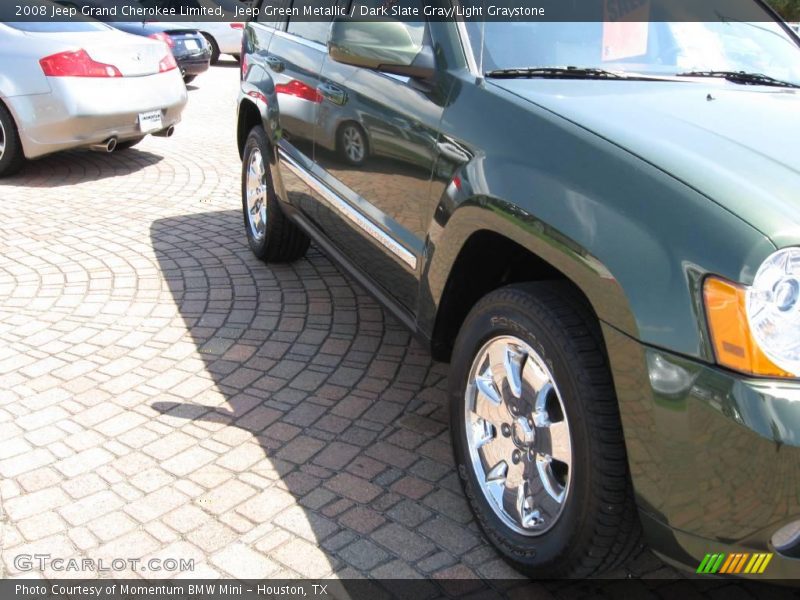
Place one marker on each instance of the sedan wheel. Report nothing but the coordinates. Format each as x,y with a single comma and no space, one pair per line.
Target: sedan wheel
2,140
518,435
353,144
11,155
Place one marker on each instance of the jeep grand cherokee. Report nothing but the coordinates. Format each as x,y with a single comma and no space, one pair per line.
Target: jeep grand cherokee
596,223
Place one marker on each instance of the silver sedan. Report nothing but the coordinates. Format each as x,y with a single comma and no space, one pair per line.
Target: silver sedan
82,85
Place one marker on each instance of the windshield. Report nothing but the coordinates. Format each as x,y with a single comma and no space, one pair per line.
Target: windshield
652,48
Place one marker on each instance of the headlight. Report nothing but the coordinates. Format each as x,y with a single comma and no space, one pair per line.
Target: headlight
773,309
756,330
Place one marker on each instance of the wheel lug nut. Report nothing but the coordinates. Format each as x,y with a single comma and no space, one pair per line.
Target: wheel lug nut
516,457
506,429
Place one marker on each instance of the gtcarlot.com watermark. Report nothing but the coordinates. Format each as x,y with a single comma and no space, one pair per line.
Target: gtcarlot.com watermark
44,562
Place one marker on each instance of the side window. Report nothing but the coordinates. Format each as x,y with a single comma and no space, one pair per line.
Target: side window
314,31
270,17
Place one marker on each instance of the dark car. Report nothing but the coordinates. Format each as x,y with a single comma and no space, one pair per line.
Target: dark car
189,47
597,225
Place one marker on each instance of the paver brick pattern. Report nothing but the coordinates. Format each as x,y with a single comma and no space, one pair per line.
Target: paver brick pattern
165,394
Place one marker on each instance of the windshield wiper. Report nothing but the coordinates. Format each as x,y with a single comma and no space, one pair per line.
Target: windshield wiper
555,73
742,77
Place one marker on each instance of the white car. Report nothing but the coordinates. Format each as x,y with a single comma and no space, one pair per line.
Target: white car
223,37
82,84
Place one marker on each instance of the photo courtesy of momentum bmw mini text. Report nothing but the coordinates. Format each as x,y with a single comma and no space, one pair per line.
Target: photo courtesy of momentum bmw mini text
377,299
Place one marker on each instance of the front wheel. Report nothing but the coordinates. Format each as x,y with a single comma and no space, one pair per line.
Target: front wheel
271,235
536,433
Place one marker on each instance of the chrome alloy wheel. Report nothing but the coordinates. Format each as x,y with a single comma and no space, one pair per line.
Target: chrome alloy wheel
256,190
354,144
518,435
2,140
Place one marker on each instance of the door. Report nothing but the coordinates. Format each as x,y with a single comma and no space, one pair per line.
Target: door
294,61
375,149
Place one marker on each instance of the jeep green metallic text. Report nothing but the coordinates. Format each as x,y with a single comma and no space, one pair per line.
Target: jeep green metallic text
596,224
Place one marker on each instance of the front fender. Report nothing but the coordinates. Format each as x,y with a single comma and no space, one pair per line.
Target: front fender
637,242
257,93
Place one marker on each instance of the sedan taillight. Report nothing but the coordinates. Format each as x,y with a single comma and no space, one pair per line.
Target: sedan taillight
163,37
298,89
167,63
237,26
76,64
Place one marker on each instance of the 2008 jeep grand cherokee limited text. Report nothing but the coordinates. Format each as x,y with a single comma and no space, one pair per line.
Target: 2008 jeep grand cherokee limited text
596,225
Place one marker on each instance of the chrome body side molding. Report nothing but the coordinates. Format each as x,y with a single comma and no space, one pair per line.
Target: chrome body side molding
351,213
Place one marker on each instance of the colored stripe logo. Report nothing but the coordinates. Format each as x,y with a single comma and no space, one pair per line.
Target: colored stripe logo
735,563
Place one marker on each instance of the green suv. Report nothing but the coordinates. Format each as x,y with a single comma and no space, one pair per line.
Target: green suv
596,224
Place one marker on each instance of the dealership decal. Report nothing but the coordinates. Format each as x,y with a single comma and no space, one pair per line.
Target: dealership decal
734,563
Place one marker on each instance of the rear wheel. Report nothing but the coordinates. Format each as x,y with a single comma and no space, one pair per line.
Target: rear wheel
351,144
214,48
536,433
271,235
11,155
189,78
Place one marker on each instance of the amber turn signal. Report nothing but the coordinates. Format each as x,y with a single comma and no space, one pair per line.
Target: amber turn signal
734,347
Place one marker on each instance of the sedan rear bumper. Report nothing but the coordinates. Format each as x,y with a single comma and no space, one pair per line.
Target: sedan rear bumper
193,66
80,112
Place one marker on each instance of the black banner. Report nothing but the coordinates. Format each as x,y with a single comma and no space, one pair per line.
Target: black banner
406,10
363,589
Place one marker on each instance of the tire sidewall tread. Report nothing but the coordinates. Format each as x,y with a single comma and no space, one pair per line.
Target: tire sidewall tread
13,158
283,241
561,328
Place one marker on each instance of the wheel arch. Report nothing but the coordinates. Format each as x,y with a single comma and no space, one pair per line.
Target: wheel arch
467,251
471,277
249,117
258,105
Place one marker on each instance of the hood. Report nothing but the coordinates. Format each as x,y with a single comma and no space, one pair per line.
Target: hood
738,145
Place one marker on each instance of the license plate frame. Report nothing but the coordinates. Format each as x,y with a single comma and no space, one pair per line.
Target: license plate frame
150,121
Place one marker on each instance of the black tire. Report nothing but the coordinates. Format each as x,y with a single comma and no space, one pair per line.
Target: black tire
127,144
598,527
214,48
12,157
237,57
282,240
187,79
352,128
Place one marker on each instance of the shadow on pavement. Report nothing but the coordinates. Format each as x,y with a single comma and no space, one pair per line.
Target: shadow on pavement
81,166
348,410
227,62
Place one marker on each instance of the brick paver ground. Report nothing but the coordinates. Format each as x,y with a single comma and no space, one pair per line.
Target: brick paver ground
164,394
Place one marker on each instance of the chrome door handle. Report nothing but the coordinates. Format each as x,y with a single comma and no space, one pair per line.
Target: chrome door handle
276,64
332,93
